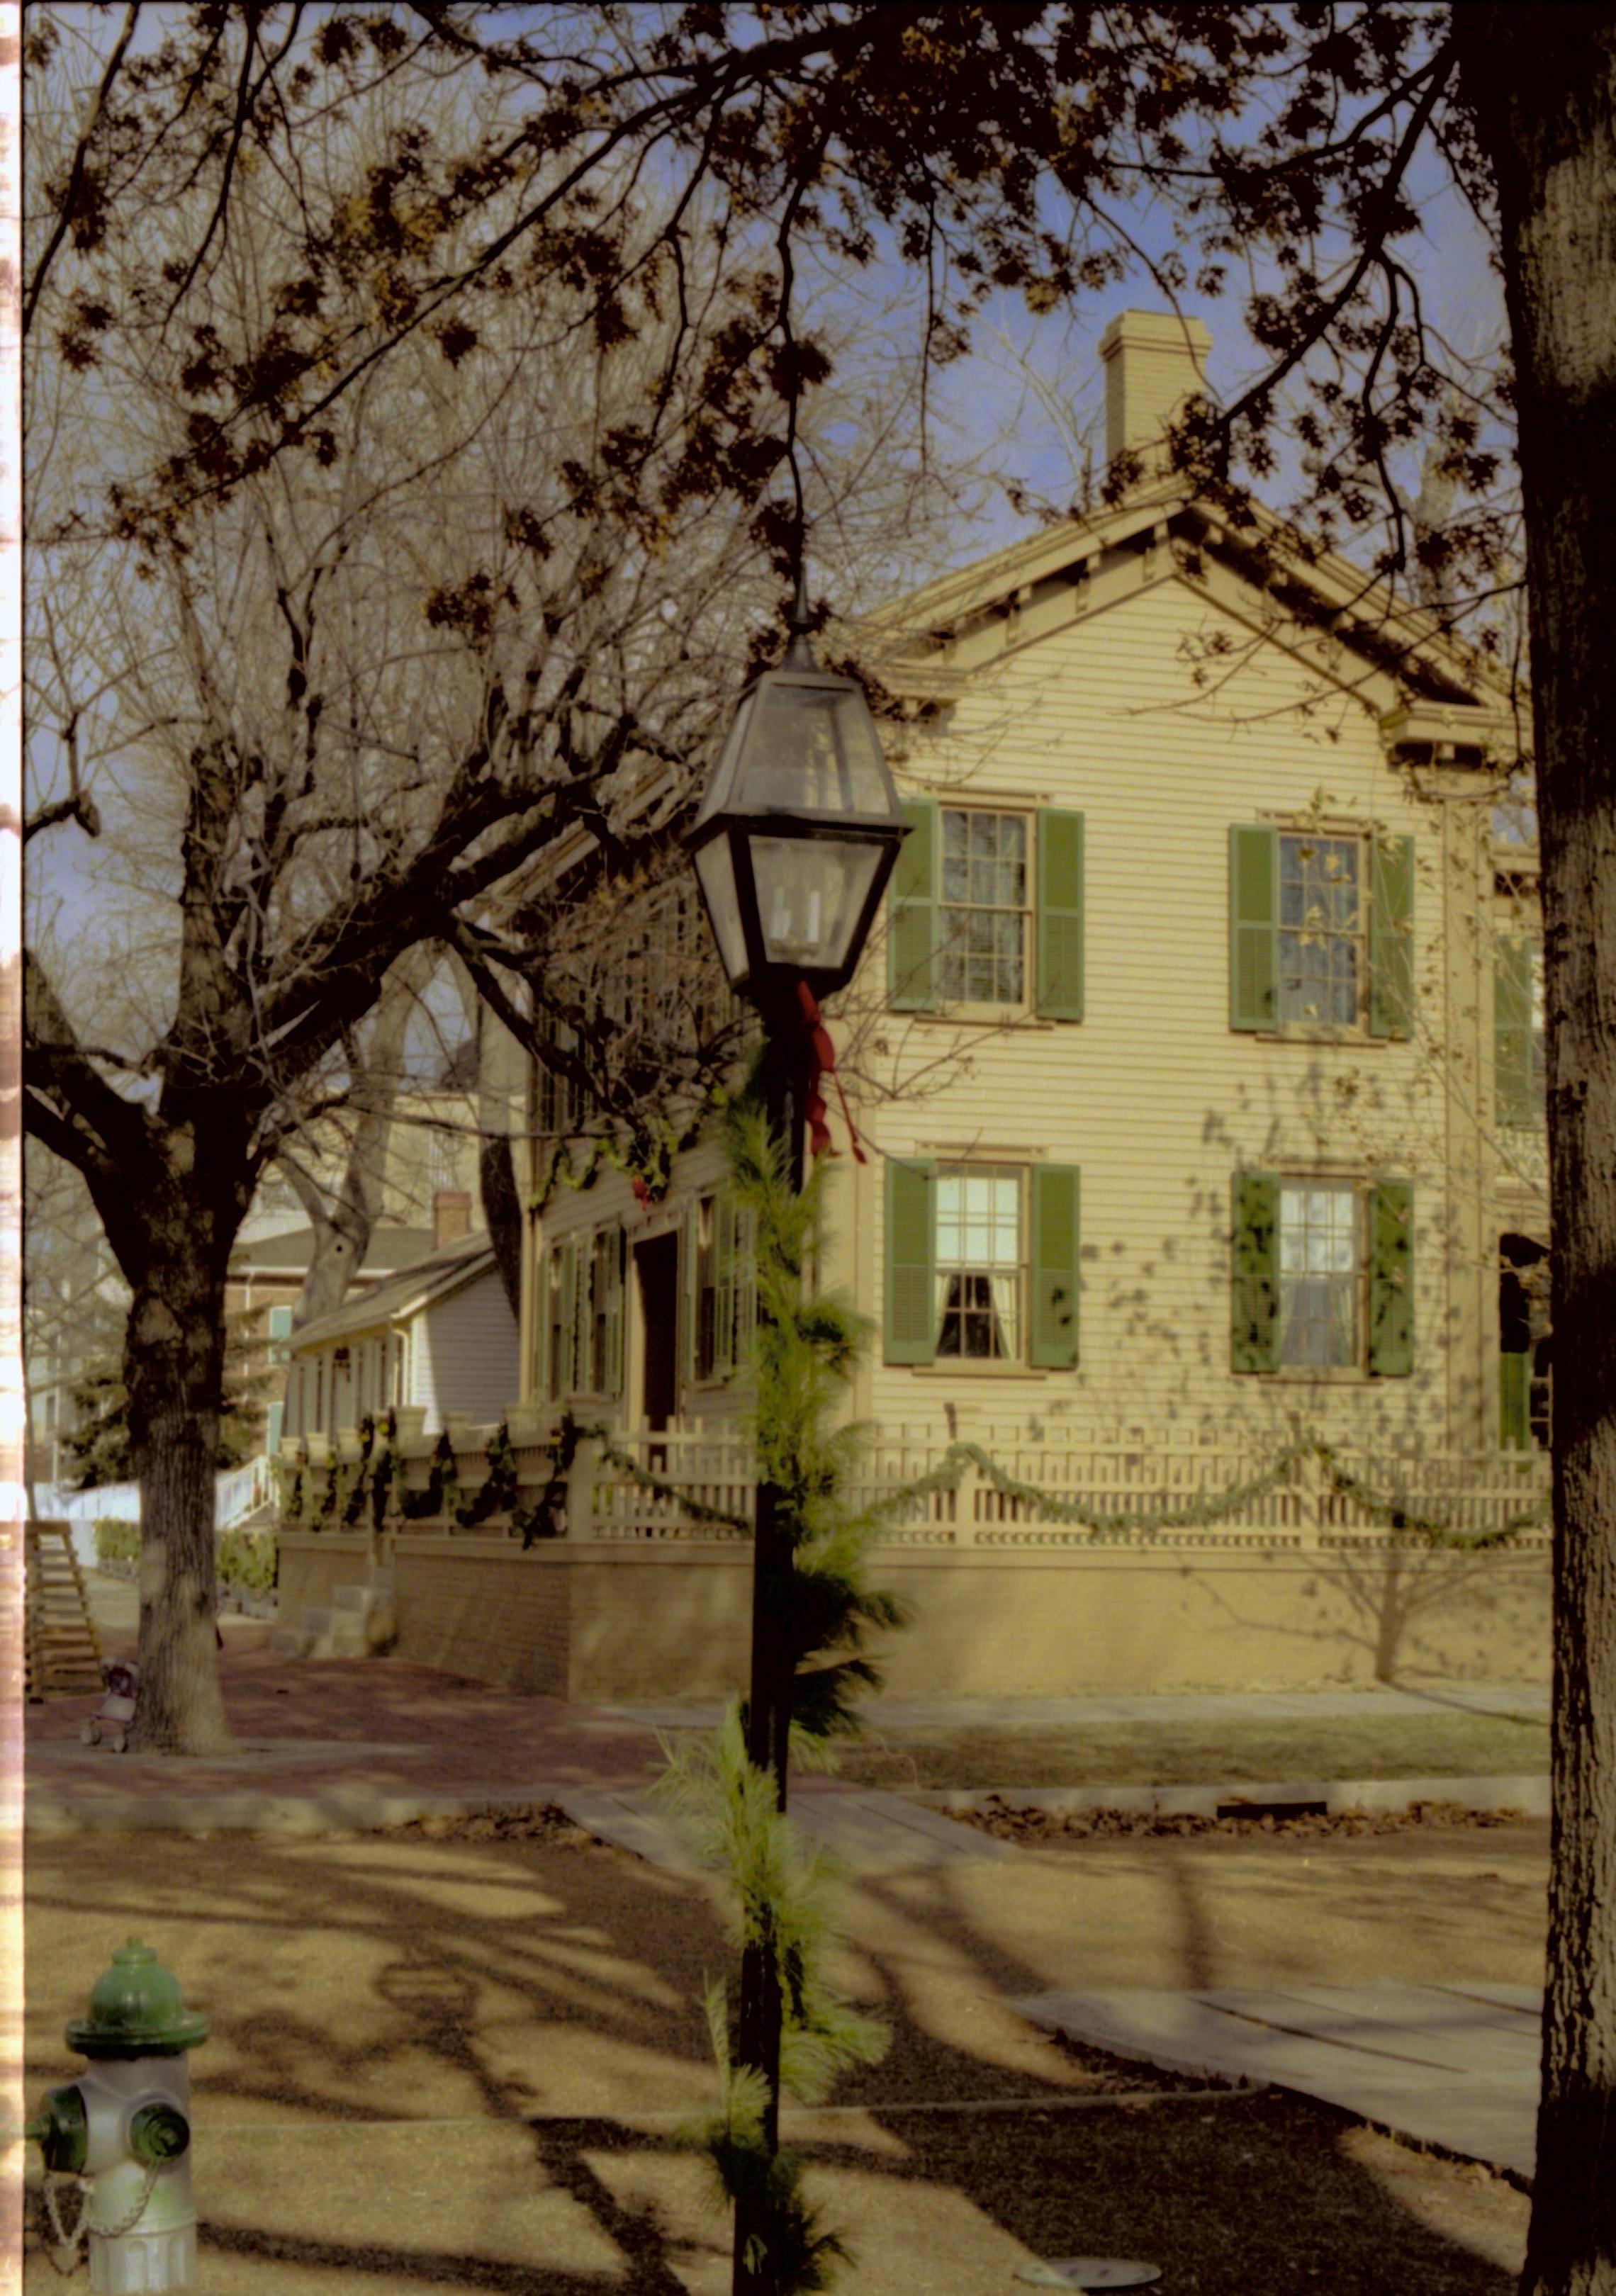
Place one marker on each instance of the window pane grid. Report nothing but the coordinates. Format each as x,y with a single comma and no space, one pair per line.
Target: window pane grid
1320,929
979,1266
1320,1278
984,908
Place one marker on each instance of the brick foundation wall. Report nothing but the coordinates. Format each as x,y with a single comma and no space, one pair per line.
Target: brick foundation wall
312,1563
611,1623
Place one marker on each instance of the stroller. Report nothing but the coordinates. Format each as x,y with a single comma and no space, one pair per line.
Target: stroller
115,1714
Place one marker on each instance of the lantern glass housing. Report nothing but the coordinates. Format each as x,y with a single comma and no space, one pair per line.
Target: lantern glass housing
798,832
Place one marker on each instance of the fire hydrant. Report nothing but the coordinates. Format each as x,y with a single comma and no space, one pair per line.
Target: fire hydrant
119,2139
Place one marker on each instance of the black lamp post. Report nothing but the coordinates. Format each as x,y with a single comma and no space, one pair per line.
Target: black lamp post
794,845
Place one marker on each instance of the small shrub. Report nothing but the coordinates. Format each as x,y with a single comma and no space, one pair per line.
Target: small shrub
117,1541
248,1561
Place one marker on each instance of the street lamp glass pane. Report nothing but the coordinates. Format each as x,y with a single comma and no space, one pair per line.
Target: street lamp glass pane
812,750
810,896
716,869
718,781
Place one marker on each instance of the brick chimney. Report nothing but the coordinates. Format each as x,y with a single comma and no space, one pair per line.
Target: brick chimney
451,1216
1153,362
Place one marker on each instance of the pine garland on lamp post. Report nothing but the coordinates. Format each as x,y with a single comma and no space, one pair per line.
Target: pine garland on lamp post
792,847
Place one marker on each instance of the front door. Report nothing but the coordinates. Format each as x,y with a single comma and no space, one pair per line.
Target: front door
657,1267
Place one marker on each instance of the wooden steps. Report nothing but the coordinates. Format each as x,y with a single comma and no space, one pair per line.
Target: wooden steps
63,1647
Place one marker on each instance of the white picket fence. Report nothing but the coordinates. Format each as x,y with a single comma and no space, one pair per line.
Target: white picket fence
1126,1483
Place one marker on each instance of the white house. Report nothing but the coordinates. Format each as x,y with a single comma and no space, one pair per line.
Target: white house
439,1336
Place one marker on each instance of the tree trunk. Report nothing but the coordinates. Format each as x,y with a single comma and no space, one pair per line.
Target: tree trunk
174,1366
1541,84
342,1231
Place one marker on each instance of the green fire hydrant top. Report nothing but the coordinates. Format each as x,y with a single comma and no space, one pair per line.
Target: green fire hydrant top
135,2011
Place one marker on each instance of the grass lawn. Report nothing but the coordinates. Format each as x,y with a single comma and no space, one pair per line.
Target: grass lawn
1178,1753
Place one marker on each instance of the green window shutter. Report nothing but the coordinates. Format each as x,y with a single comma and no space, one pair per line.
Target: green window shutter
1055,1221
1514,1401
280,1318
1255,1305
911,1325
1392,1279
1253,925
1391,937
568,1367
689,1235
614,1310
723,1284
746,1283
1512,1030
912,919
1060,919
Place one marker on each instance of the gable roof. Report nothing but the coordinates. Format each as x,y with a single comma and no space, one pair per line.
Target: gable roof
407,1293
1428,686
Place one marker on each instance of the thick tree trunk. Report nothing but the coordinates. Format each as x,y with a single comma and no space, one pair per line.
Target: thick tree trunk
1541,82
174,1366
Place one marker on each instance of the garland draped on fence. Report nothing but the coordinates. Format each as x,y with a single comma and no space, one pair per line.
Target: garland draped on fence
1399,1514
499,1494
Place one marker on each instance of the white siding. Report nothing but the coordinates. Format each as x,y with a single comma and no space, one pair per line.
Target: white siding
1153,1094
465,1353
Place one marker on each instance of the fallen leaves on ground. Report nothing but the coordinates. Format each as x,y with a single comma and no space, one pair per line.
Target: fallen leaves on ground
535,1822
1009,1822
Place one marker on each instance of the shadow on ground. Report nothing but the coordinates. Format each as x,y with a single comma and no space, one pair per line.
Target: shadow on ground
444,2065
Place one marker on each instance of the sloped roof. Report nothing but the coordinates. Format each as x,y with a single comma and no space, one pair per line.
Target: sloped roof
911,642
391,1248
421,1285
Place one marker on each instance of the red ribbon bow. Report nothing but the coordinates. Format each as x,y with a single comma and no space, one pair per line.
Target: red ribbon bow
821,1062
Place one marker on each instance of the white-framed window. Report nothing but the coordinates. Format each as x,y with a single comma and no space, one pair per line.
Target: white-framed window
980,1264
1322,1275
985,914
1321,926
1322,1267
1322,916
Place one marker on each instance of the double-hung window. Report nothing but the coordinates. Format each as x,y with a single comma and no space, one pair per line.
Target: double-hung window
986,910
582,1314
1323,1274
982,1264
720,1291
1320,930
984,914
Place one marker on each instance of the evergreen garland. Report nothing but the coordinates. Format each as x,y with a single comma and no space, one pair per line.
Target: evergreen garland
384,1473
498,1492
353,1507
442,1492
804,1354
